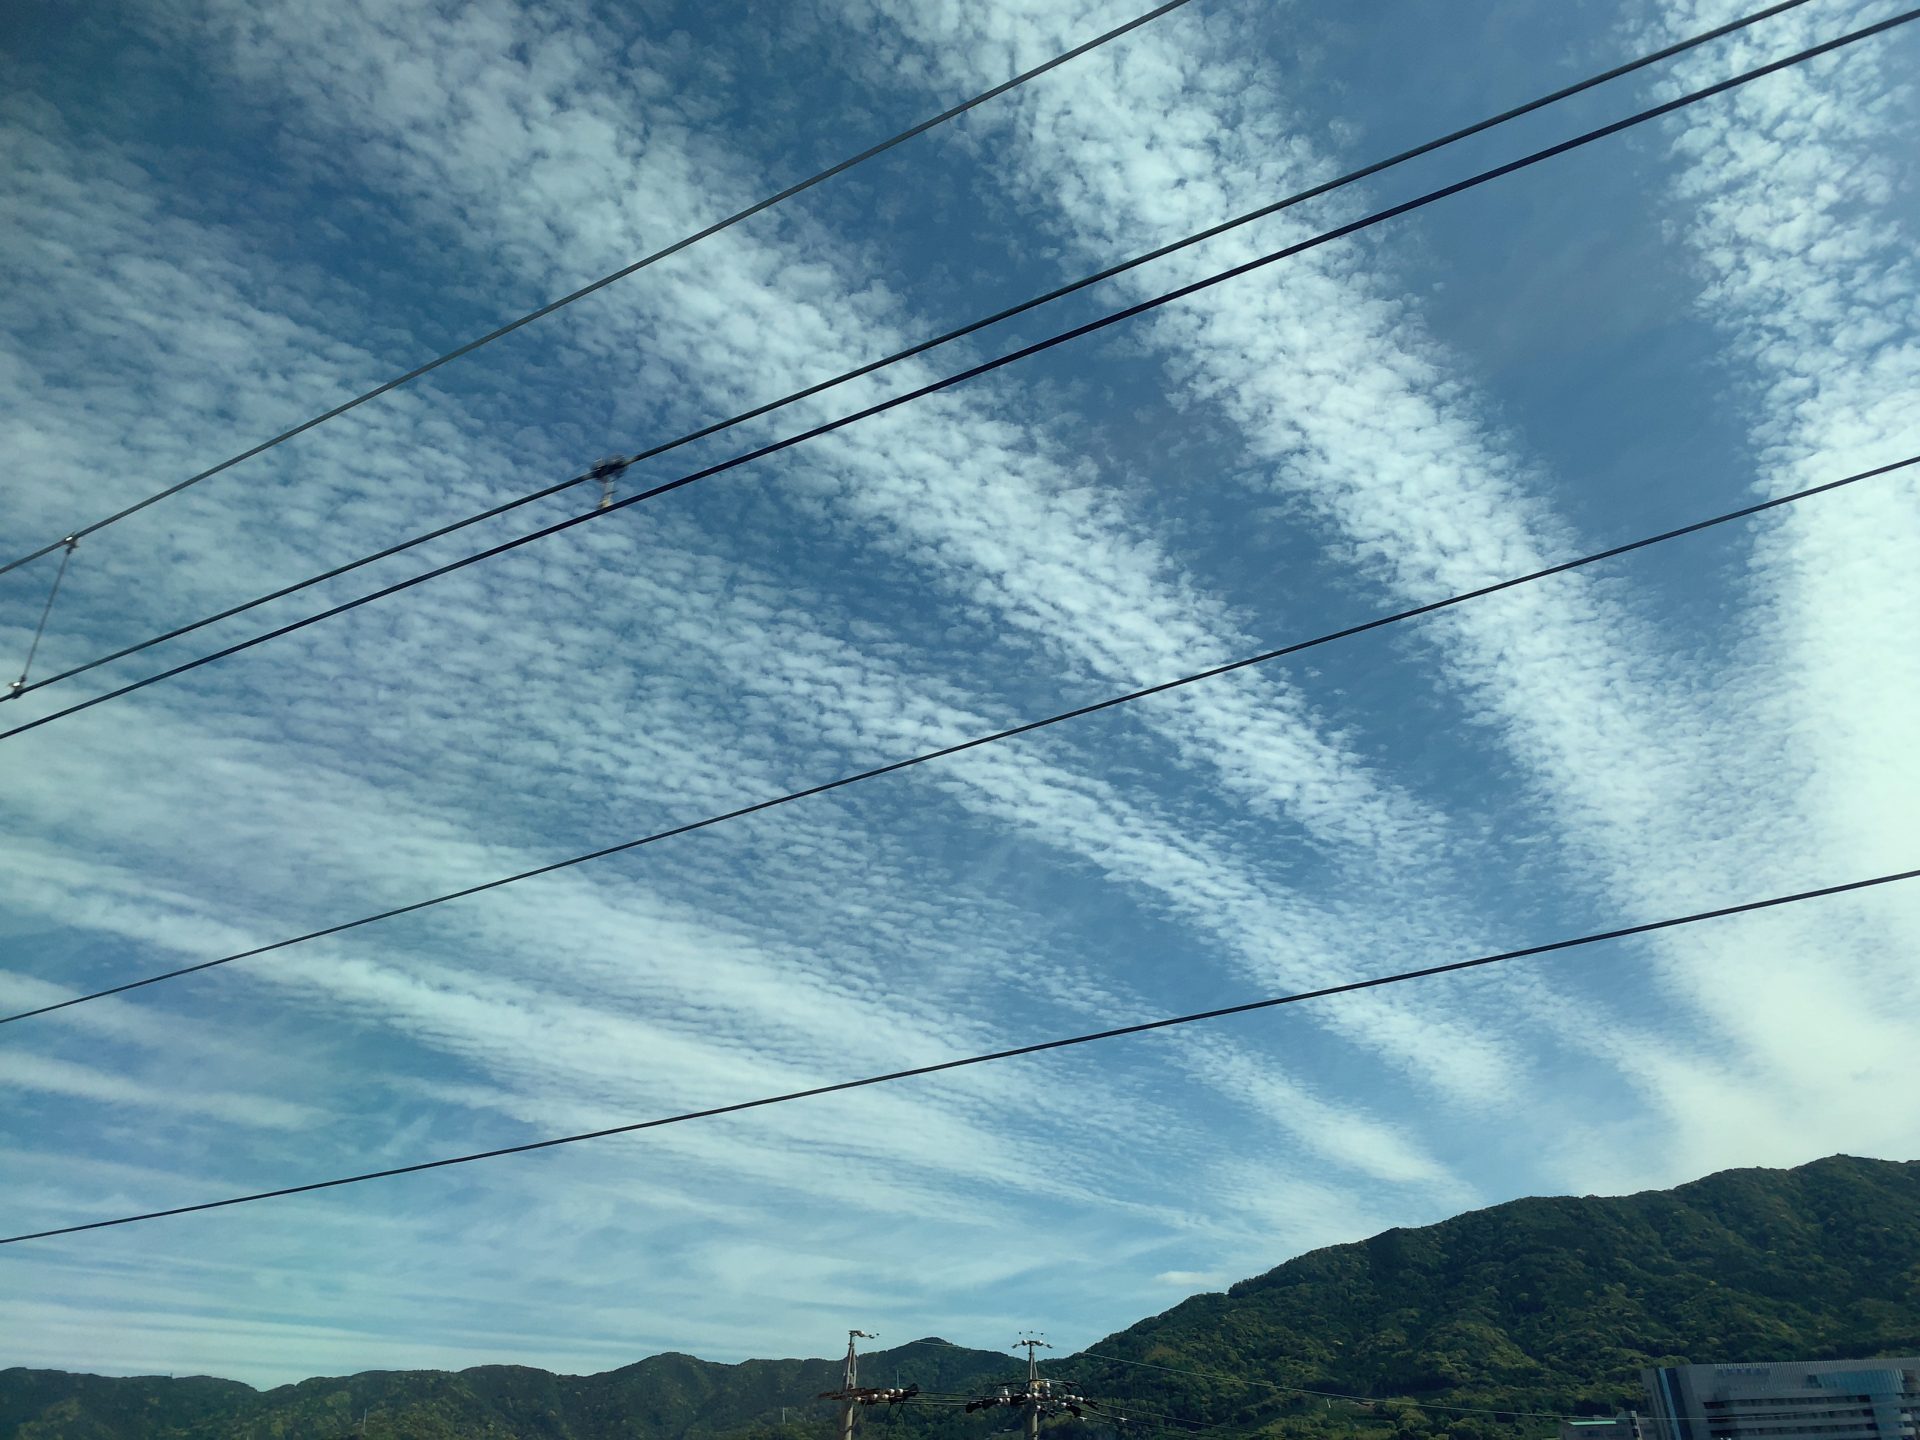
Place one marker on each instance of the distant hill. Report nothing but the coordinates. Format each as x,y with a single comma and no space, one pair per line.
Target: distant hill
664,1397
1554,1305
1547,1305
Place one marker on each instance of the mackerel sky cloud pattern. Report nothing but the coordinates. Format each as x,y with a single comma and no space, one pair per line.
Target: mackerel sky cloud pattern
222,216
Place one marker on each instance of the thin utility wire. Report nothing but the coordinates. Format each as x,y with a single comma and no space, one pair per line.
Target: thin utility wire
605,280
1333,1394
1039,1047
972,327
993,737
1136,1419
972,372
1409,1401
1268,1384
1113,1411
1374,1400
20,686
1133,1415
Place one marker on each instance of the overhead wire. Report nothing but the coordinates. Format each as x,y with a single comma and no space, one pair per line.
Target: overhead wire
1133,1414
1330,1394
1111,1409
1120,1411
992,737
1271,1385
1371,1400
1014,1052
959,377
972,327
663,253
1172,1425
1248,1007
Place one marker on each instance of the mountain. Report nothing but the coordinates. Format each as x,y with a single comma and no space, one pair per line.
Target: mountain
1555,1304
1541,1305
664,1397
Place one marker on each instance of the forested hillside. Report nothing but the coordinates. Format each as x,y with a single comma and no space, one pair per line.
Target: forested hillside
1542,1305
1555,1304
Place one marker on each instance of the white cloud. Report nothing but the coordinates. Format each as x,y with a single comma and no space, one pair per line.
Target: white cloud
1189,1279
1344,403
907,583
59,1077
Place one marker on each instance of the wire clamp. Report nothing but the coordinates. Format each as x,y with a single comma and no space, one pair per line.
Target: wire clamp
606,472
72,543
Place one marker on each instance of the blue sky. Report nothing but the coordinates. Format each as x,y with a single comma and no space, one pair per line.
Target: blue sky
223,216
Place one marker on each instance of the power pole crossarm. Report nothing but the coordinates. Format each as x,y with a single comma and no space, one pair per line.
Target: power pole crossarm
1039,1395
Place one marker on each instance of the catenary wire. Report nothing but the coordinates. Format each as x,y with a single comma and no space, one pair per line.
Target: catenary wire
1374,1400
1111,1409
1247,1007
1333,1394
972,327
1178,1020
959,377
1272,1385
1115,1410
605,280
972,372
1026,727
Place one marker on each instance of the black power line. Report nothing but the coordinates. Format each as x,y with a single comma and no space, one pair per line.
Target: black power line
972,372
605,280
1403,1401
1381,1401
993,737
1330,1394
972,327
1039,1047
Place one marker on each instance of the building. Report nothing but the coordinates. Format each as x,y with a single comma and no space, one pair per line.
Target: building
1608,1427
1786,1400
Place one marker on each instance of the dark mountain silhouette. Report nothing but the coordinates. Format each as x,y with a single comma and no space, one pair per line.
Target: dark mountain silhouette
1542,1305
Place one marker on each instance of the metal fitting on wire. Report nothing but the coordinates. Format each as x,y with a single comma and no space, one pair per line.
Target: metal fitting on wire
72,543
606,472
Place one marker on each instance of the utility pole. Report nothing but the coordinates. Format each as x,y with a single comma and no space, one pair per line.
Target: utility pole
852,1394
1036,1387
1037,1395
851,1382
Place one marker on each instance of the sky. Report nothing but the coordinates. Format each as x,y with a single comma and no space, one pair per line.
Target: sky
222,217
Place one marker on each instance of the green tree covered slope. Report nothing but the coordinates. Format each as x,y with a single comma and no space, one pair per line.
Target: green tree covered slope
1555,1304
1541,1305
